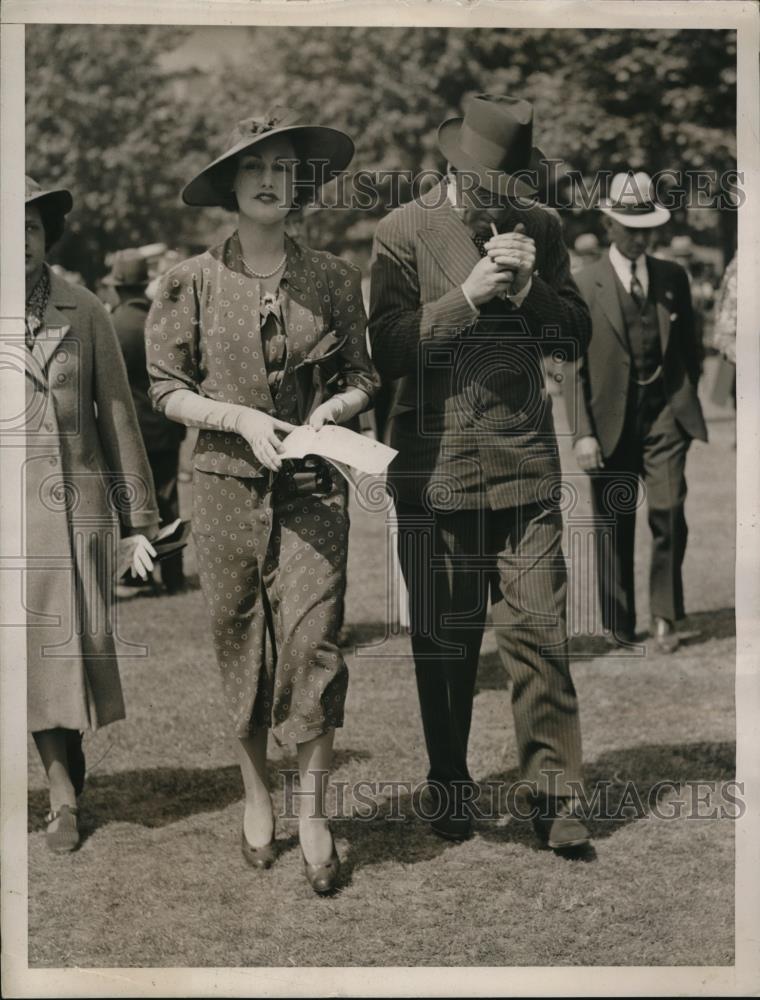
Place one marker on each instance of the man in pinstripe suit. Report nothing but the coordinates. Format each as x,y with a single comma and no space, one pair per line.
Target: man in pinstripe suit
462,307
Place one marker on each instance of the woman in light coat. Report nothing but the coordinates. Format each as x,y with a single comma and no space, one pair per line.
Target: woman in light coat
87,480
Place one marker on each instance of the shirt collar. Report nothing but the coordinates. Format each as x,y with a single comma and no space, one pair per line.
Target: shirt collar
622,266
451,194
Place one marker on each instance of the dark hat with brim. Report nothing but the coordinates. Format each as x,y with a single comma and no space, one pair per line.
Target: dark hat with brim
58,200
494,143
328,148
128,267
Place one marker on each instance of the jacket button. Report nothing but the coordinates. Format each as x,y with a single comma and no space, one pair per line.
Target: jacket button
48,426
54,461
61,378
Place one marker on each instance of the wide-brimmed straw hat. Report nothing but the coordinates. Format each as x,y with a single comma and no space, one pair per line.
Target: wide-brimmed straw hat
58,200
494,142
331,149
631,202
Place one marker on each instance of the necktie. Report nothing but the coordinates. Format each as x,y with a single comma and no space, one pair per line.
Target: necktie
637,291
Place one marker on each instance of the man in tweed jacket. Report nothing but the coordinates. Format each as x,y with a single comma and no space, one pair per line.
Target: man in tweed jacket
460,318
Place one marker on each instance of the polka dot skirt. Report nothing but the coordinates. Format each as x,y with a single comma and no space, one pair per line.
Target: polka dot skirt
273,572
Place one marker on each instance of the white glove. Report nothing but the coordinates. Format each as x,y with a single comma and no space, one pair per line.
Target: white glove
135,554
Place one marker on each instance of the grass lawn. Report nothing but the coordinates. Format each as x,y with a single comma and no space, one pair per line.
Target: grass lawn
160,881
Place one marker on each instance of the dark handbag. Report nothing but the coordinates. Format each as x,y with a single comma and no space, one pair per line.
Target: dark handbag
310,476
174,542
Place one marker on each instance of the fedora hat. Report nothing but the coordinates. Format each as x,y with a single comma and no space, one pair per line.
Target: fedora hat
494,141
58,200
128,267
631,202
313,142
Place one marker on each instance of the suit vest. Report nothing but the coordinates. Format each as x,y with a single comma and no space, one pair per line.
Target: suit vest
643,334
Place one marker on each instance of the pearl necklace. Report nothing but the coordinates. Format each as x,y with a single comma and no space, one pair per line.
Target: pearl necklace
270,274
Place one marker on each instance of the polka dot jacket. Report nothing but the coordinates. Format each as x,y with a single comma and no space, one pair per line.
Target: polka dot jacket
203,333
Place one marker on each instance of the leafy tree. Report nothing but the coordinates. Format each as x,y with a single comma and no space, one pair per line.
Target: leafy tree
104,119
604,99
116,113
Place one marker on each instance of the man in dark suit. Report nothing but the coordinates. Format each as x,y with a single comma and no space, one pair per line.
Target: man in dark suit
633,406
459,320
162,437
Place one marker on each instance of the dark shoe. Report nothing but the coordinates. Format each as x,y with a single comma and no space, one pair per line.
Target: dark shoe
452,827
452,819
665,636
258,857
65,838
557,825
619,640
323,878
76,760
130,587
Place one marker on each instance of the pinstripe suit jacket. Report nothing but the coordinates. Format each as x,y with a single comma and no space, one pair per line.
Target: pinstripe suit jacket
470,416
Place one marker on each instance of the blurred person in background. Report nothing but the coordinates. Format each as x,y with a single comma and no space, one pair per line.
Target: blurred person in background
245,341
725,314
586,250
105,292
162,438
87,479
724,338
158,266
683,252
73,277
633,409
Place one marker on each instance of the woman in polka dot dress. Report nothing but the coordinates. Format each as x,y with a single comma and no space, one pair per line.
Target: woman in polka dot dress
245,341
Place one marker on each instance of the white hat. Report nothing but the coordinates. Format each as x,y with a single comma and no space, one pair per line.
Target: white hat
631,202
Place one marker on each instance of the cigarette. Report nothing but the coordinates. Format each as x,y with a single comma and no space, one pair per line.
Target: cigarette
494,230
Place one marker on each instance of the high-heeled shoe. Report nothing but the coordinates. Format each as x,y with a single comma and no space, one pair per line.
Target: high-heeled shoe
258,857
65,838
323,878
75,755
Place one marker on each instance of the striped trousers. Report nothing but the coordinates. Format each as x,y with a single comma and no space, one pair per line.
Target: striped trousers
452,563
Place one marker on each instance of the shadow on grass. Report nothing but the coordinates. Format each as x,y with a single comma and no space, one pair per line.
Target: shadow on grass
622,787
698,628
628,786
705,625
160,796
370,634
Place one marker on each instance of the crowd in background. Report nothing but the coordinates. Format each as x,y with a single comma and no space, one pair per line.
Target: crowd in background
713,295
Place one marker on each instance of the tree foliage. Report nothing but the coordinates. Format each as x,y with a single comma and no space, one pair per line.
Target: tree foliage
106,117
103,120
